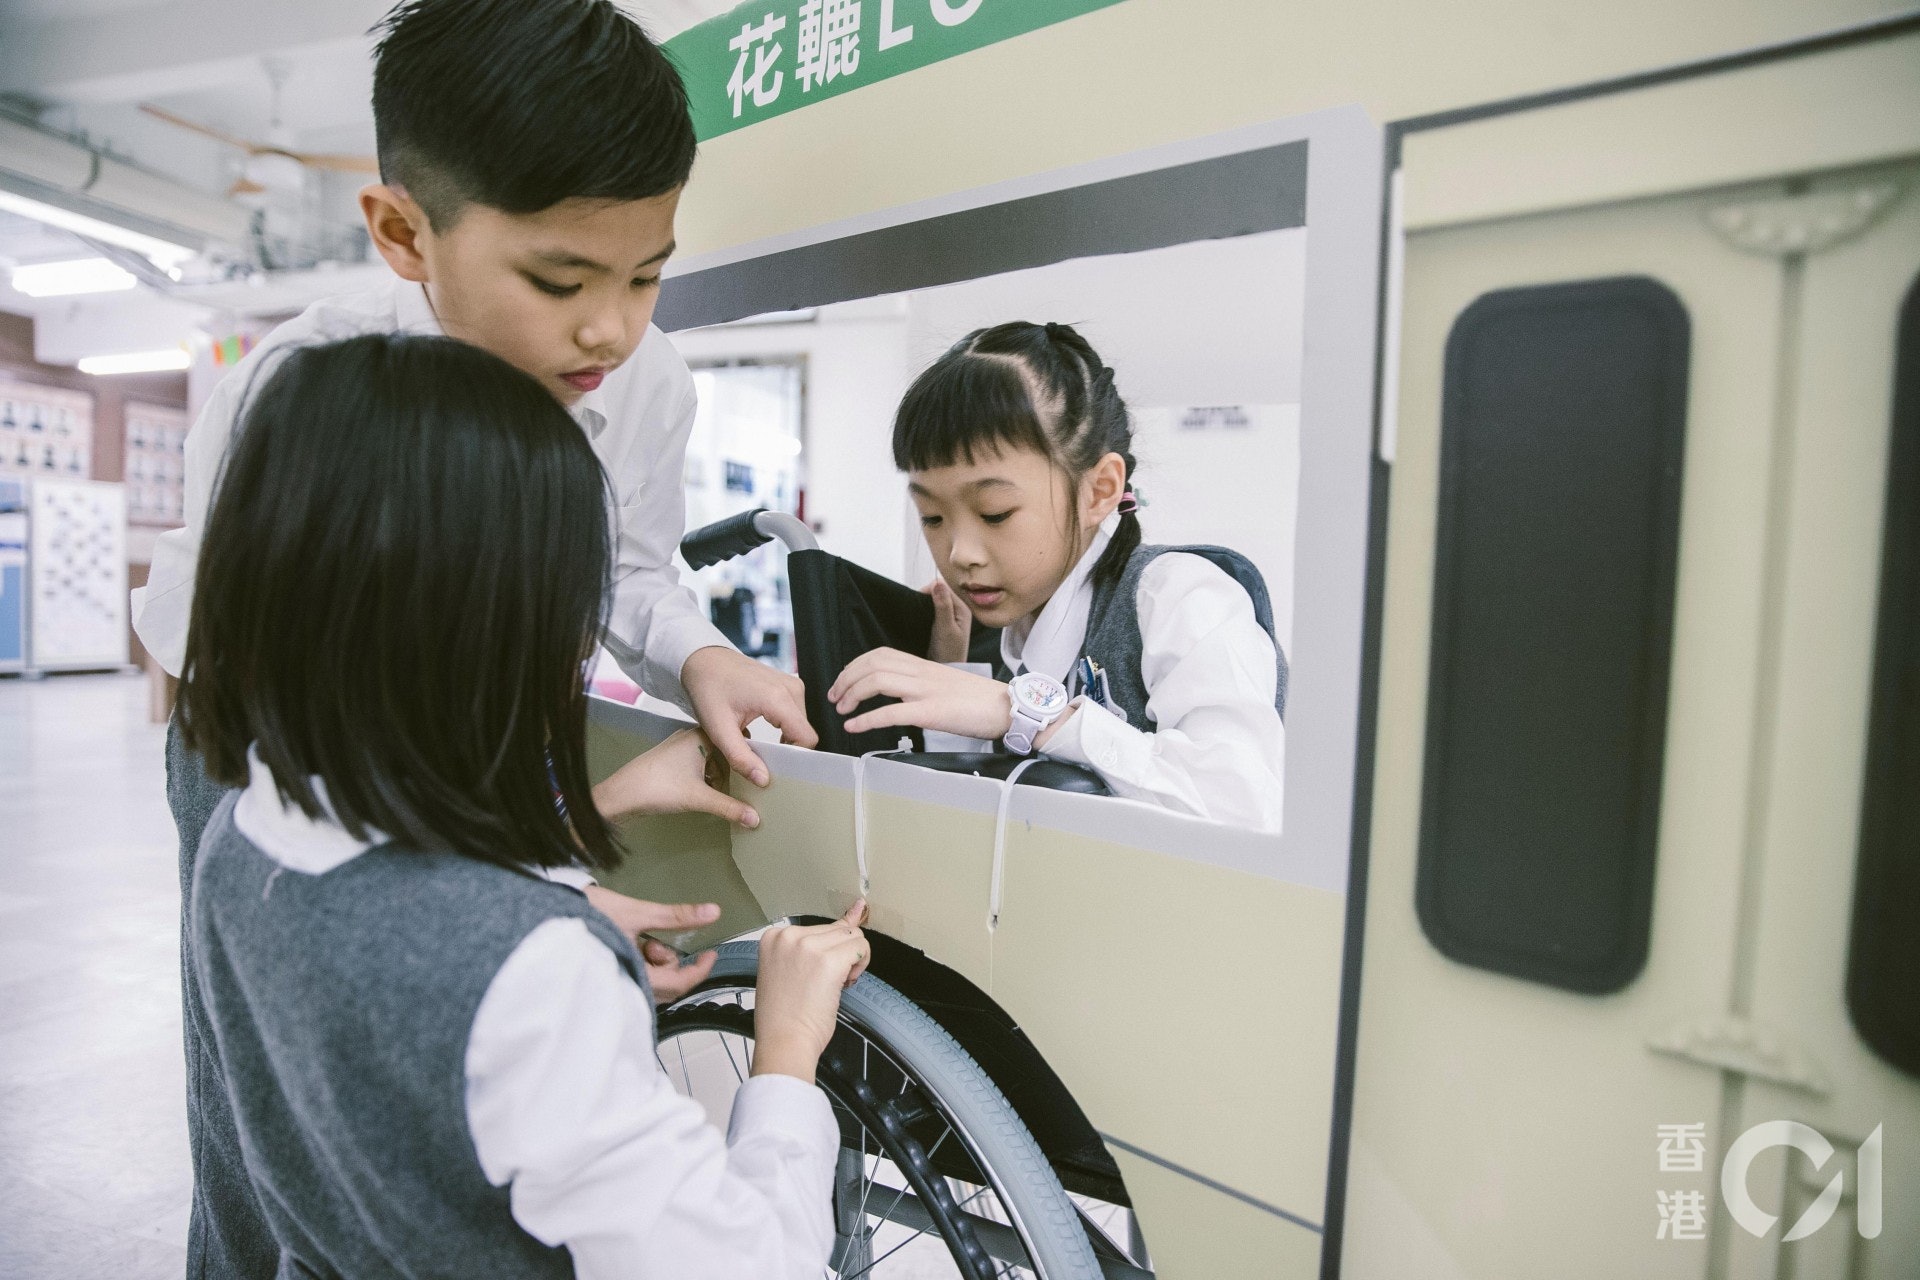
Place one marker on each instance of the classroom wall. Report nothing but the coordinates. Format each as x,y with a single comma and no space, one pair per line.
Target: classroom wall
1152,71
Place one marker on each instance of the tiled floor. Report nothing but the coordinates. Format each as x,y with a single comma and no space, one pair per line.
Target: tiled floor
94,1177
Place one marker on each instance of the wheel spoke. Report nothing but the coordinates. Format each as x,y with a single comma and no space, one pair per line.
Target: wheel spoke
855,1275
869,1174
728,1048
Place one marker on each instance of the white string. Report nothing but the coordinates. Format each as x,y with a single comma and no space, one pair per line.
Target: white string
1000,840
860,809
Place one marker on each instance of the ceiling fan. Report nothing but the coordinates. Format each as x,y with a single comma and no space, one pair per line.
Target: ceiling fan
272,165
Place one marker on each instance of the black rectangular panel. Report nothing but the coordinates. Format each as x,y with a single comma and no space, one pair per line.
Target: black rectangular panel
1883,966
1232,195
1561,446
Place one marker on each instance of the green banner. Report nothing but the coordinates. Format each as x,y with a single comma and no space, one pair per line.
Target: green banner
768,57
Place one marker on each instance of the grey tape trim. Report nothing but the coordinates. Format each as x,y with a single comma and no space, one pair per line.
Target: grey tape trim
1210,1184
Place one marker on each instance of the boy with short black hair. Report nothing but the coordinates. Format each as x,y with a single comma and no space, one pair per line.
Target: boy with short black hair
532,155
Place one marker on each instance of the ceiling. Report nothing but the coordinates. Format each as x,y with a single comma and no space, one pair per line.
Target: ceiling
82,67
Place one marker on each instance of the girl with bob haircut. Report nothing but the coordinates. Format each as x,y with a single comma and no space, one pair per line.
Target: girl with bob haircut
1154,666
440,1061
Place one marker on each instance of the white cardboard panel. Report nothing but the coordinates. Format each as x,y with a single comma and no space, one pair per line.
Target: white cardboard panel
931,872
1144,826
1191,1009
800,861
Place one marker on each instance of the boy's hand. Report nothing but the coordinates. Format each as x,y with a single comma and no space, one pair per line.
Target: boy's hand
729,691
931,696
682,775
635,916
803,970
952,624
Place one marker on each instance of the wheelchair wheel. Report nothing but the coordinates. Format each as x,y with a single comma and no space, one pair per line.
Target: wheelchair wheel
937,1176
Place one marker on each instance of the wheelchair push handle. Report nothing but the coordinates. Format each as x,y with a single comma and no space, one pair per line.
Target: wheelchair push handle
737,535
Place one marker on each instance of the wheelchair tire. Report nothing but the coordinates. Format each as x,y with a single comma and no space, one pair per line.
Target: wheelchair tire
1038,1208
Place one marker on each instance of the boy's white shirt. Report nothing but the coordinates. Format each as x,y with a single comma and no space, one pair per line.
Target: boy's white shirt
1219,748
570,1110
638,422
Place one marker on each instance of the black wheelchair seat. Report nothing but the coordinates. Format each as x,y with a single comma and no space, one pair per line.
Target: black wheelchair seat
1054,775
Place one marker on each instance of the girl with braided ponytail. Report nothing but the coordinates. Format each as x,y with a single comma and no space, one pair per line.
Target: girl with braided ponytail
1154,666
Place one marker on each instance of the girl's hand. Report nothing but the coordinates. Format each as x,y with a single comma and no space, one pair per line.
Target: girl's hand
803,970
931,696
952,624
684,774
637,917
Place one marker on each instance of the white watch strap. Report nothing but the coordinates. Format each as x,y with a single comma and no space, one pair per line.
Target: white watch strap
1025,728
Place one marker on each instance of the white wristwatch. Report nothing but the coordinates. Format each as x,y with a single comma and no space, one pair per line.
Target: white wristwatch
1038,700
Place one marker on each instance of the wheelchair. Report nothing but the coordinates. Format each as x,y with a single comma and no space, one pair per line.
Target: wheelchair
961,1153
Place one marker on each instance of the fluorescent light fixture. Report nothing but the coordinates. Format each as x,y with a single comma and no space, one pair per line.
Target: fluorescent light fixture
61,279
137,362
162,253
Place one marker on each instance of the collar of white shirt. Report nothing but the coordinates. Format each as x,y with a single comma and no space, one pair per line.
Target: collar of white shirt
312,846
1049,641
413,313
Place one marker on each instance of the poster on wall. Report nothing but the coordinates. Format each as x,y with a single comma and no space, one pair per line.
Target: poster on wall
45,431
155,464
77,569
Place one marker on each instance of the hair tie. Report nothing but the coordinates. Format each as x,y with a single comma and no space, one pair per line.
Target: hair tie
1129,503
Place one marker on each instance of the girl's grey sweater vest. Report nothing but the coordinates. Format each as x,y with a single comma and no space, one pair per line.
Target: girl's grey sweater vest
1113,625
341,1006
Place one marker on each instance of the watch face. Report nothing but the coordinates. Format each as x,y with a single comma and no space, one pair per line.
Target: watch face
1040,695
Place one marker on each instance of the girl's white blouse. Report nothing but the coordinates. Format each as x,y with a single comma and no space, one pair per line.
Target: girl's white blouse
1219,749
